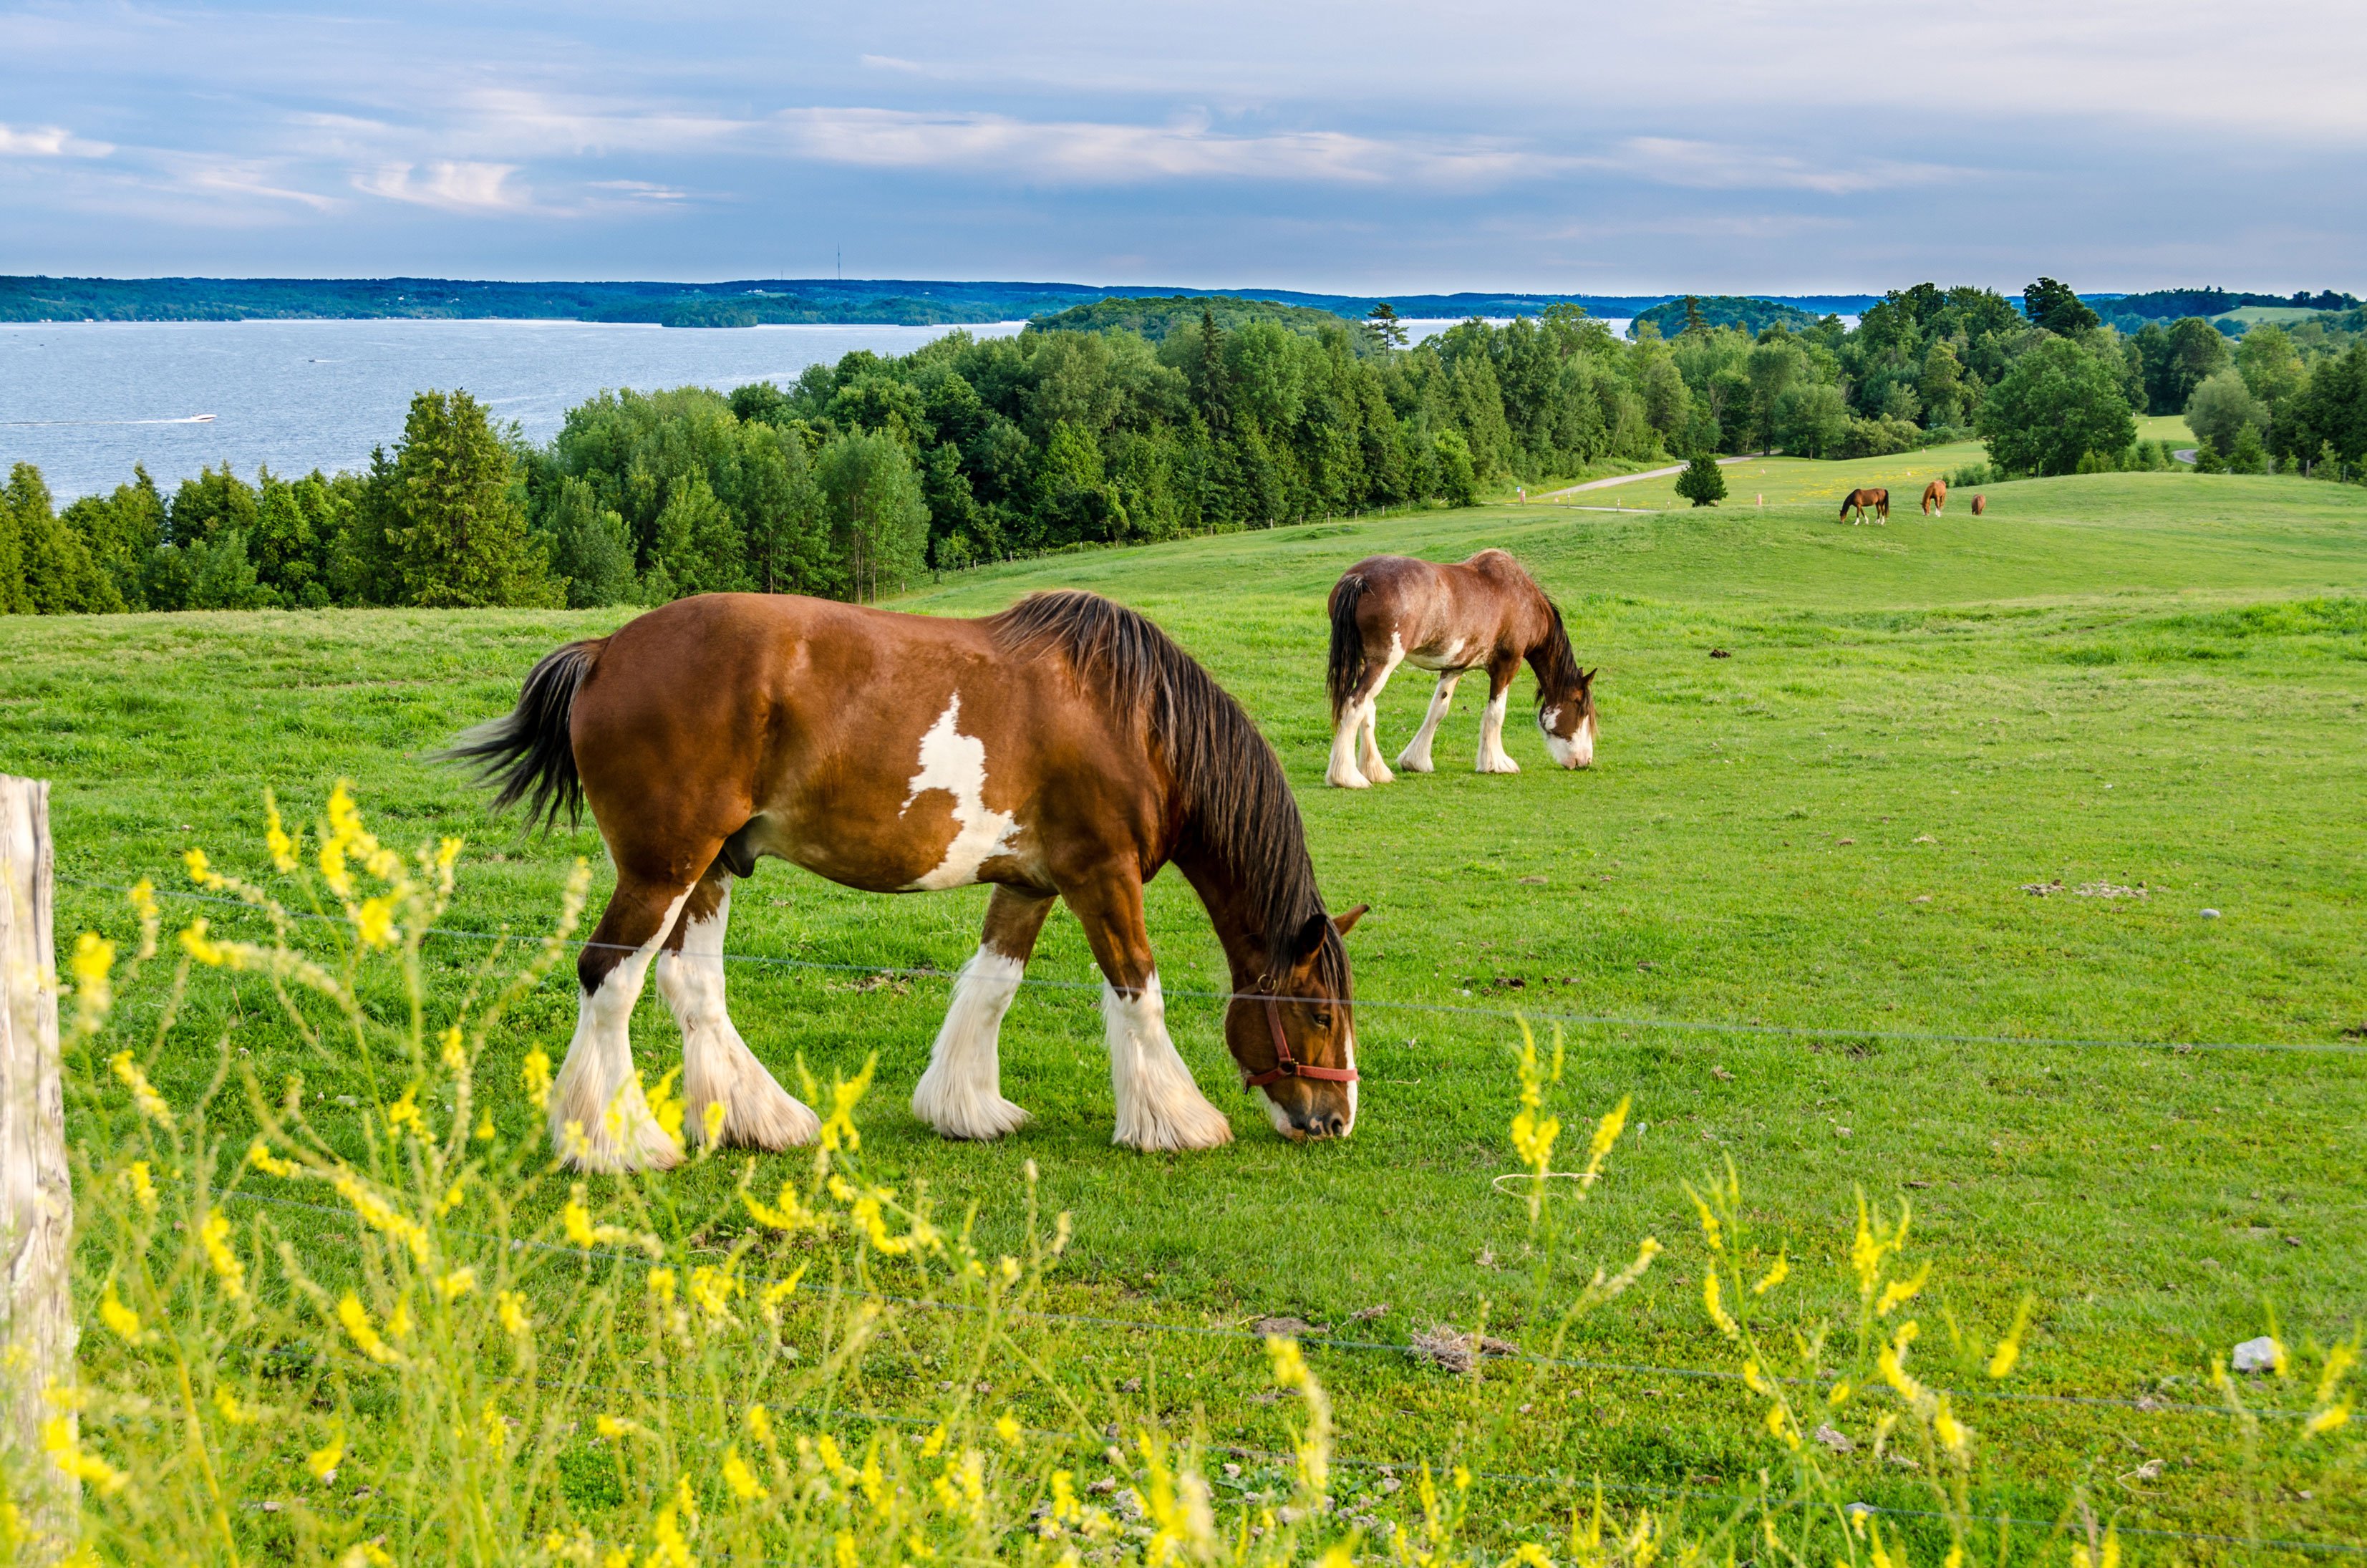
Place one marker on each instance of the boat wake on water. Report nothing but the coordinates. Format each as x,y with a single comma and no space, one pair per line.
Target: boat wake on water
186,419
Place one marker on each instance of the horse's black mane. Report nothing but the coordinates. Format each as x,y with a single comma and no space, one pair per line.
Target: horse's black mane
1235,798
1556,665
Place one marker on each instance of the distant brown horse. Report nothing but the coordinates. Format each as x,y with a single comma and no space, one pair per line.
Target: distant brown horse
1980,505
1063,747
1864,501
1486,613
1935,498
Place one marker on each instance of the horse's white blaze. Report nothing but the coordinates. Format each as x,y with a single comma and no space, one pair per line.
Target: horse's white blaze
956,763
1158,1105
1578,750
717,1064
1492,758
597,1091
961,1093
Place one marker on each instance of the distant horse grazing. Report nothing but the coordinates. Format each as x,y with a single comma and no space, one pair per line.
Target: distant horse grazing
1935,498
1864,501
1980,505
1063,747
1389,609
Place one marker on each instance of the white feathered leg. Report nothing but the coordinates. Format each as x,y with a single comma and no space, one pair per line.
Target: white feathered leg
961,1093
716,1065
1415,758
1158,1105
599,1119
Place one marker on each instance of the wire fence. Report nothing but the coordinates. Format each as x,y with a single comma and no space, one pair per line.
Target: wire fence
1501,1015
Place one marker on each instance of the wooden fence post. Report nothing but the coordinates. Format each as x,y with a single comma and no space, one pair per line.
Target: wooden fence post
37,1326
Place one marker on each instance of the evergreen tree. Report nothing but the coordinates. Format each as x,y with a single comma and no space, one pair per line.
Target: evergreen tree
1703,483
57,575
700,547
461,539
1382,322
2055,307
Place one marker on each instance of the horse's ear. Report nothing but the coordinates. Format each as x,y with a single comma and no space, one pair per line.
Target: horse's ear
1311,935
1586,677
1347,921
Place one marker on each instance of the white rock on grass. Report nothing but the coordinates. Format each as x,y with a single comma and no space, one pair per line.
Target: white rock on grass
2256,1355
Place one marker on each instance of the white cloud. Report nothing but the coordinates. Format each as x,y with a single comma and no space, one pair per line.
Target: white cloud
450,185
1711,165
46,142
1101,153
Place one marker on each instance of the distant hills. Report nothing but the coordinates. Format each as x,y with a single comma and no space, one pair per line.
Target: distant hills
749,302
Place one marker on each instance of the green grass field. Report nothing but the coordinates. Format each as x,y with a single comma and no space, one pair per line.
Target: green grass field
2143,692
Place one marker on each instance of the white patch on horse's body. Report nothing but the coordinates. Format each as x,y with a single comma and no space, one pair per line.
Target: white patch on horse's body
961,1093
1415,758
597,1091
956,763
716,1062
1491,737
1158,1105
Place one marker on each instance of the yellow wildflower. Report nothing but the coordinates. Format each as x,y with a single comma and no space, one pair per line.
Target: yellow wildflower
275,835
2009,1349
143,1093
739,1478
366,1338
374,923
838,1129
200,870
1714,1305
661,1285
58,1442
1954,1435
143,899
1776,1274
495,1430
457,1284
404,1112
93,963
259,1155
2109,1557
451,1052
1006,1426
323,1461
760,1425
142,1186
711,1123
537,1076
779,1290
204,948
213,1235
576,1220
454,1195
665,1108
2326,1420
612,1426
510,1307
1899,1291
231,1412
120,1319
711,1289
671,1549
380,1215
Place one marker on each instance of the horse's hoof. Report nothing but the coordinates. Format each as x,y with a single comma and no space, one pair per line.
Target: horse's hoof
1346,780
981,1121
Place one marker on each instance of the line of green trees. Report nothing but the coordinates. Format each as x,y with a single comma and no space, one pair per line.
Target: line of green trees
864,474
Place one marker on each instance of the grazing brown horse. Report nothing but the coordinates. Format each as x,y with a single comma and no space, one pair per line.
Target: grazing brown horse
1389,609
1935,498
1065,747
1864,501
1980,505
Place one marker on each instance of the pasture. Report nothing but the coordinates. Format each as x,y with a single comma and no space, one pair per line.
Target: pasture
2141,695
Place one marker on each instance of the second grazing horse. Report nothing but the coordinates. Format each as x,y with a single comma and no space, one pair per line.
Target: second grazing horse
1484,614
1935,498
1864,501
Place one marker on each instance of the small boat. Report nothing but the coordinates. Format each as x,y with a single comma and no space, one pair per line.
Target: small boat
201,419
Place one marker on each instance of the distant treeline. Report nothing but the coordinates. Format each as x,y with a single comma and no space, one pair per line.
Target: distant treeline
2168,304
748,303
864,475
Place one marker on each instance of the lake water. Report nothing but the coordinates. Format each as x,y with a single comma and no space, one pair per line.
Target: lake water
85,401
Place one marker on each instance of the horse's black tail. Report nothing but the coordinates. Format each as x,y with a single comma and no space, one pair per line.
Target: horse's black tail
529,751
1347,663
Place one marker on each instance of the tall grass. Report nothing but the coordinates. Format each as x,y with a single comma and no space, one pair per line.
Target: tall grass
425,1375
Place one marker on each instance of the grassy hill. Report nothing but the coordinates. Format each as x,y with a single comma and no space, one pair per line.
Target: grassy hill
2141,694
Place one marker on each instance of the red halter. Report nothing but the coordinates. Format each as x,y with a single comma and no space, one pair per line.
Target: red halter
1285,1065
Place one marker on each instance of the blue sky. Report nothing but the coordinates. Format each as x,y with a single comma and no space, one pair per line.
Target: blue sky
1783,145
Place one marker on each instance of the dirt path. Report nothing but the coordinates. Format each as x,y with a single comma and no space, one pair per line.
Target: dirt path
1631,477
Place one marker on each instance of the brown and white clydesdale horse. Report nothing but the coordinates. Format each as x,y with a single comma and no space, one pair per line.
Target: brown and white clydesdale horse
1486,613
1935,498
1864,501
1066,749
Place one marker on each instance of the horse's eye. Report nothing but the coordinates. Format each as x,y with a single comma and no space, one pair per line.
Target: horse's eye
1323,1018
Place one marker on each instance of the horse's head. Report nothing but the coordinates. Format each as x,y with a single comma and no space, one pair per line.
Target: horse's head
1567,720
1295,1037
